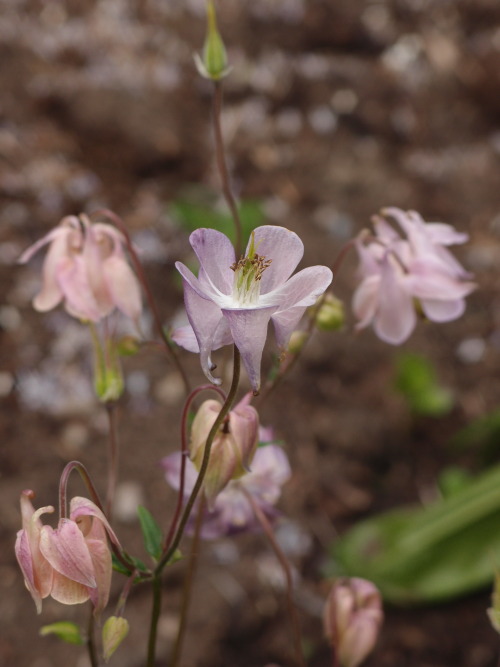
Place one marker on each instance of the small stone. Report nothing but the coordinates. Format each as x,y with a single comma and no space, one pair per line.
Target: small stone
128,497
471,350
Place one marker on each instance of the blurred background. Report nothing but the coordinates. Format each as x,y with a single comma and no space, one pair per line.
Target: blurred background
333,110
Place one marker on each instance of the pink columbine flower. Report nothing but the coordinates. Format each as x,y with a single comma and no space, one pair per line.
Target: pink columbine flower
233,300
71,563
398,271
86,269
232,511
232,448
352,619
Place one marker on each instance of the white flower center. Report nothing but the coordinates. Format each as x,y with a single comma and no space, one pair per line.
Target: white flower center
247,276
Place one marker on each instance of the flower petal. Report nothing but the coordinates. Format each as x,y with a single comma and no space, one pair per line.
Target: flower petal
443,311
172,466
284,248
249,331
395,318
67,552
101,559
68,591
73,280
80,507
216,255
123,286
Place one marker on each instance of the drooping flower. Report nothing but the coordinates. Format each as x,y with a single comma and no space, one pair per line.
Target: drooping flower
233,300
71,563
86,269
232,448
232,511
398,271
352,619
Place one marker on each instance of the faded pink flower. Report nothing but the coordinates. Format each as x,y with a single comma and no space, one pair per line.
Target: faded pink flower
352,619
398,271
86,269
71,563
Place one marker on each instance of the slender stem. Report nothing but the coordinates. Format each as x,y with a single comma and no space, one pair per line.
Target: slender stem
188,586
120,605
184,453
147,291
155,615
292,610
91,641
111,409
222,165
204,464
335,657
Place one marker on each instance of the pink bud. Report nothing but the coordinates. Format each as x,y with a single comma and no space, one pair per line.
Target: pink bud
233,446
352,619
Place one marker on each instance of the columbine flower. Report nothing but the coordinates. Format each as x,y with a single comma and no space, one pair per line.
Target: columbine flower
71,563
233,300
232,511
232,448
352,619
396,271
86,269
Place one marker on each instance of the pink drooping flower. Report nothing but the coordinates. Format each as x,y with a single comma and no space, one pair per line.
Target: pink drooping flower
86,269
398,271
232,300
352,619
72,563
232,448
232,510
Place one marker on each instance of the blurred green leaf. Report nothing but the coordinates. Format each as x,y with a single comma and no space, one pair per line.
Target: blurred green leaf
416,381
482,435
65,630
417,555
151,532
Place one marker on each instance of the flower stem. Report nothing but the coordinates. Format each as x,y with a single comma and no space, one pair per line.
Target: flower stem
222,165
184,453
147,291
111,409
188,586
292,610
91,641
155,615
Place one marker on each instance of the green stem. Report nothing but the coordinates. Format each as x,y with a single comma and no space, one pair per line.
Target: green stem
292,610
188,586
111,409
222,166
204,464
91,641
155,615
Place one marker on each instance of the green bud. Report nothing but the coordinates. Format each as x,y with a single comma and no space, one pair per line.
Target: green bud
108,376
114,632
127,346
213,65
296,342
330,316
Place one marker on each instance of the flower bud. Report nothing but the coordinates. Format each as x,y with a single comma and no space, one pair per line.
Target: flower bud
108,376
114,632
296,342
352,619
213,65
233,446
330,316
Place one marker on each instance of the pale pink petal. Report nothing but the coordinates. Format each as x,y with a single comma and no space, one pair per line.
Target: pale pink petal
395,318
249,331
80,507
429,280
172,466
444,234
283,247
101,559
67,552
216,255
365,301
123,286
73,280
68,591
185,337
51,294
443,311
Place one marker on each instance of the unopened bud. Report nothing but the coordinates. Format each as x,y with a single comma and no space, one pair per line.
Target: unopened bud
114,632
233,446
296,342
127,346
108,376
213,65
352,619
330,316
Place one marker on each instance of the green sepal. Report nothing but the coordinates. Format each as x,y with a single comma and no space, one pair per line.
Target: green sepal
66,630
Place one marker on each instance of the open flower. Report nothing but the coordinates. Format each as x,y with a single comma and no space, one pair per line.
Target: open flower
86,269
233,446
232,511
233,300
397,271
71,563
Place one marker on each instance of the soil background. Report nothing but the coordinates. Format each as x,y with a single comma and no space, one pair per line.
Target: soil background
333,110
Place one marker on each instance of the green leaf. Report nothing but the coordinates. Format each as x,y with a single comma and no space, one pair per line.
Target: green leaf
65,630
417,555
416,381
481,434
151,533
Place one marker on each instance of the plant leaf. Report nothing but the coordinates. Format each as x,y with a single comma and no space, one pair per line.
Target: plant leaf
151,533
65,630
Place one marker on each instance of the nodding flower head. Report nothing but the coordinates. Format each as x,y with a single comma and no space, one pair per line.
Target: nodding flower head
232,301
86,269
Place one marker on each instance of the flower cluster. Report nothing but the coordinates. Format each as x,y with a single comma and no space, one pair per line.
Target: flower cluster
71,563
86,269
398,271
232,301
